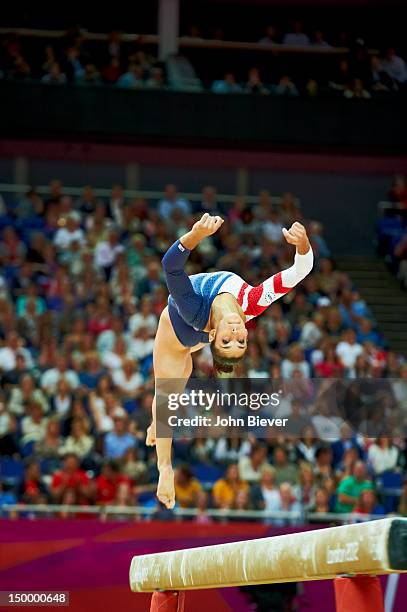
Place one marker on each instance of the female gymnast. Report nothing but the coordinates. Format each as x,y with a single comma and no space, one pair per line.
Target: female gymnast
210,308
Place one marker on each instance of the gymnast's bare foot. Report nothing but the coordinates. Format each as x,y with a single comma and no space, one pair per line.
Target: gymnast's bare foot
165,489
151,435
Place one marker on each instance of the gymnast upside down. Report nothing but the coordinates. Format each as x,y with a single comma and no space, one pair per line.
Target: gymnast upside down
210,308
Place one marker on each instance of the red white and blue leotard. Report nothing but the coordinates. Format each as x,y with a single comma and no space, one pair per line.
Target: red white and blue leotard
191,297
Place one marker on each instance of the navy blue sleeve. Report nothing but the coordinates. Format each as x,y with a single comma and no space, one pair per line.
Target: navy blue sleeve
179,285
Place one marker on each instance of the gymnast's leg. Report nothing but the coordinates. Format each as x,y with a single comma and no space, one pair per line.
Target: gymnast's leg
171,361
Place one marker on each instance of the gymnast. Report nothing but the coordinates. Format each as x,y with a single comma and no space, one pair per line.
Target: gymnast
210,308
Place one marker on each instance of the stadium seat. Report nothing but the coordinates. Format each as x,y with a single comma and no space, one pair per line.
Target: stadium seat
206,472
11,470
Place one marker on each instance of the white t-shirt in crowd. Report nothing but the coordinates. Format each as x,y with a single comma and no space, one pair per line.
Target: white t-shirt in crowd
348,353
64,238
130,385
106,253
382,459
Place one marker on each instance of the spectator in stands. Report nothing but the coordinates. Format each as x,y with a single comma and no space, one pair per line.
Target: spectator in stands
346,441
78,442
284,471
107,252
285,87
133,78
319,40
226,489
50,58
287,502
394,66
144,318
33,425
270,36
127,379
312,331
323,464
343,77
172,201
356,89
231,448
71,483
112,72
49,446
202,517
157,79
31,489
380,81
251,467
306,447
398,191
305,490
65,236
295,362
51,377
321,502
348,350
187,488
107,484
133,467
74,69
118,441
8,429
366,333
265,495
54,75
383,455
22,395
297,37
254,83
12,249
367,504
350,488
209,201
272,227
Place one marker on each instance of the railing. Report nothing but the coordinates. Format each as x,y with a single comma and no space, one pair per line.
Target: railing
145,513
131,194
188,42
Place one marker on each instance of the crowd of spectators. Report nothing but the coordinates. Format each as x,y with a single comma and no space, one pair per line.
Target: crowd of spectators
358,75
73,60
81,291
392,230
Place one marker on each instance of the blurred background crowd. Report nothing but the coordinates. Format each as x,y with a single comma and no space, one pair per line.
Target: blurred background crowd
81,292
353,70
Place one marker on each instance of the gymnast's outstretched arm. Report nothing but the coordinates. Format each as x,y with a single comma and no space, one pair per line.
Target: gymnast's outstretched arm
179,286
255,300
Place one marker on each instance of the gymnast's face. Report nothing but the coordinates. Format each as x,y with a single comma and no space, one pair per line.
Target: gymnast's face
230,336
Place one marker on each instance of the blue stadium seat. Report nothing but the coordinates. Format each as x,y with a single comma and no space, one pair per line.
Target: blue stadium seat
205,472
390,485
11,470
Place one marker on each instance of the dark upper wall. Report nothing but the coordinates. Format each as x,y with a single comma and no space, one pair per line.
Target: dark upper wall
265,122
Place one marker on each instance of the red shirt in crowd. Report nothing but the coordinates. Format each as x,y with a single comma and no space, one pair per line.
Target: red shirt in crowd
72,480
106,490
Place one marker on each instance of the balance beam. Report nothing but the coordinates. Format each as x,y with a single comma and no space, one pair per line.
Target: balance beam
370,548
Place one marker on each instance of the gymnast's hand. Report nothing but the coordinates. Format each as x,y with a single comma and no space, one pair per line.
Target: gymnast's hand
297,236
206,226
